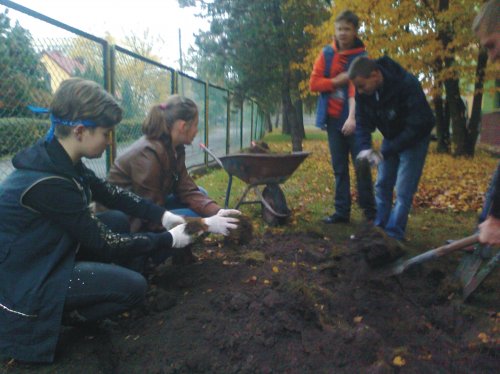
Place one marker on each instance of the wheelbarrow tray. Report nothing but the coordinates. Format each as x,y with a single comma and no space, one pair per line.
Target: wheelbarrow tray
263,168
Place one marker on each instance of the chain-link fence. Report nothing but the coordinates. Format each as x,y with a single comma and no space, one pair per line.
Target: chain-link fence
31,69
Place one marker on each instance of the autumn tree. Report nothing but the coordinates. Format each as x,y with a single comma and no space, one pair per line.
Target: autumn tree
23,79
254,44
432,39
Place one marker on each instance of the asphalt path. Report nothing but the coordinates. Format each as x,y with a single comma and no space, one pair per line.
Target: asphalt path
194,155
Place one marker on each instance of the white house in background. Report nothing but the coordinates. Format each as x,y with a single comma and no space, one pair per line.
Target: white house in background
60,67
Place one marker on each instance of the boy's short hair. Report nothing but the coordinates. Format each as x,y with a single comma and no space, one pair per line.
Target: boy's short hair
349,17
80,99
488,18
161,117
362,67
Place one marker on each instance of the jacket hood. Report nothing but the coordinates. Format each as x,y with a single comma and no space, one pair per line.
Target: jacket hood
358,47
38,158
393,72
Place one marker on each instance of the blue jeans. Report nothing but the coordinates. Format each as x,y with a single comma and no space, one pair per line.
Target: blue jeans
403,171
488,197
97,290
340,148
174,205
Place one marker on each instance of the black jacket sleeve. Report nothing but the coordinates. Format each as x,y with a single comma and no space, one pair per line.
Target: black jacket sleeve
364,129
60,201
495,197
114,197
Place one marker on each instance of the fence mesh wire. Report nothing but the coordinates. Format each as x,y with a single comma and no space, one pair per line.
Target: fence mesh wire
33,66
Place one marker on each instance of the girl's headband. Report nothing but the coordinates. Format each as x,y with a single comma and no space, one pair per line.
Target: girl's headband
59,121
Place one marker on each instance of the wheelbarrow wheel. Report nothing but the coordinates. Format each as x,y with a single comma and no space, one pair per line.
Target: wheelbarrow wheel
275,197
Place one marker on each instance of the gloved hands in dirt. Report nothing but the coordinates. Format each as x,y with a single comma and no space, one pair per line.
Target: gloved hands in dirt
372,156
221,223
170,220
180,237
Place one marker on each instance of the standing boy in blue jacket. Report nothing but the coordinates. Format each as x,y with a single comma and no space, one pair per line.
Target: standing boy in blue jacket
336,112
390,99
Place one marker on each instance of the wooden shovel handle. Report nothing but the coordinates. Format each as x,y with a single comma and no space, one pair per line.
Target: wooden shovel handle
457,244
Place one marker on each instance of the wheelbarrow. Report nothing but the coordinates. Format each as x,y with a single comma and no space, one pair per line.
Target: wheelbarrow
258,169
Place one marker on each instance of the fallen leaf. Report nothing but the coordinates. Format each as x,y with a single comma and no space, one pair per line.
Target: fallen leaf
483,337
399,361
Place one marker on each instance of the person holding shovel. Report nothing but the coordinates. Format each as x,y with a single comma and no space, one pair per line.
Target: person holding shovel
390,99
57,259
486,26
336,113
154,166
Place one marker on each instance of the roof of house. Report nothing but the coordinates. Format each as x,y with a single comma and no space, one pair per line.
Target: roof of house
68,64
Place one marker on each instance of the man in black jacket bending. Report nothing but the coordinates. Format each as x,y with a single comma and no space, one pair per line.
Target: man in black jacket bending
390,99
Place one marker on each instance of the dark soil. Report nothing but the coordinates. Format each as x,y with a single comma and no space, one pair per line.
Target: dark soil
291,304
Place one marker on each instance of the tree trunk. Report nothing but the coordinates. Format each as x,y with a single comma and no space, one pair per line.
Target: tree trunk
268,125
294,127
300,118
291,113
475,118
442,125
285,126
457,114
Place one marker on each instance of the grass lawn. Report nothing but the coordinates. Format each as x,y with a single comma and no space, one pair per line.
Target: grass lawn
446,206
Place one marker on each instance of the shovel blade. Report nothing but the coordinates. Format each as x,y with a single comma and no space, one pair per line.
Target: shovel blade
480,276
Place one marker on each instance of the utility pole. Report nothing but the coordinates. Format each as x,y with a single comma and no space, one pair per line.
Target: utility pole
181,65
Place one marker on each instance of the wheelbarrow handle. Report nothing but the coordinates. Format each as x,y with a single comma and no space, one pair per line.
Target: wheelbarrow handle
217,159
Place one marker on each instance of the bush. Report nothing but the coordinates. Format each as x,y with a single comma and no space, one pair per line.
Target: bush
17,133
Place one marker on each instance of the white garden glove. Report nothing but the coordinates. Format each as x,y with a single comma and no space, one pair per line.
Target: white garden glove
228,212
180,238
372,156
220,224
170,220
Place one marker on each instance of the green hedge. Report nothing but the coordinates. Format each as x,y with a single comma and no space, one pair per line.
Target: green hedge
17,133
128,130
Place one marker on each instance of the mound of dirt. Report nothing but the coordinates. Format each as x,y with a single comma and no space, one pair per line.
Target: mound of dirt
376,247
290,304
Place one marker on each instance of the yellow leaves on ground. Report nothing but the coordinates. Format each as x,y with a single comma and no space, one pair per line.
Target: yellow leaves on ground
457,184
447,183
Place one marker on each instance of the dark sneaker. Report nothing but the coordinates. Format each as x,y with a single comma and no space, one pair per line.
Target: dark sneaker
335,218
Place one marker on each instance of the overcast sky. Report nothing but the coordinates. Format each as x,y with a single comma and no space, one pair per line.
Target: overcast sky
163,18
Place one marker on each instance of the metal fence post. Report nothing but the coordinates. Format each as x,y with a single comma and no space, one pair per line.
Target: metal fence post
109,84
206,139
241,125
228,123
252,135
175,89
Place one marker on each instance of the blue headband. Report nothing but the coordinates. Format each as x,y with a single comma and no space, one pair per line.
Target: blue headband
59,121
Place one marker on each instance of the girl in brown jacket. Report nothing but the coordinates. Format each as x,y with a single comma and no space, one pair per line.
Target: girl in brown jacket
154,165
